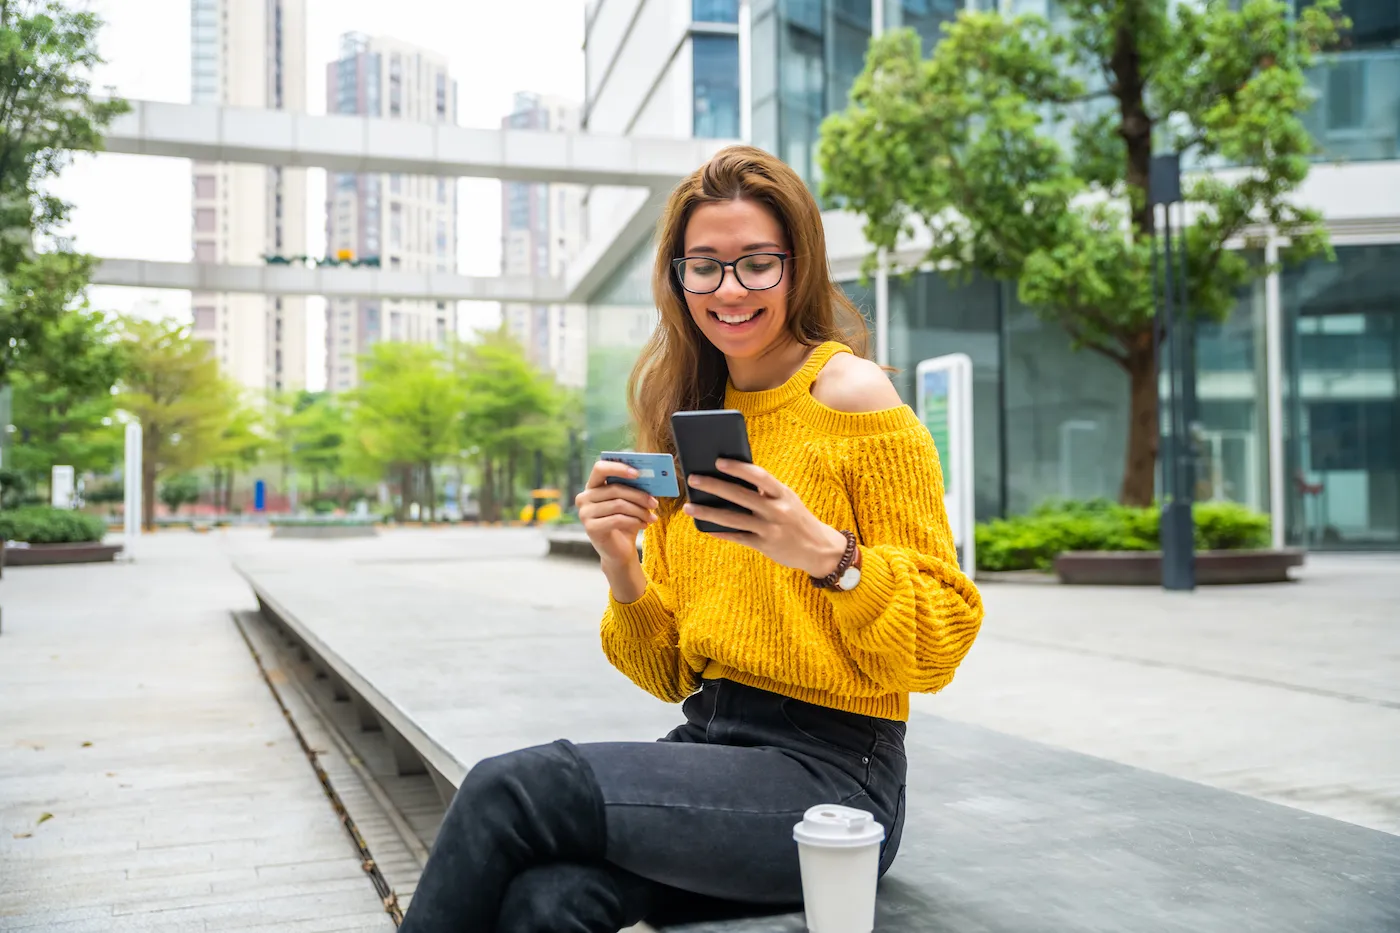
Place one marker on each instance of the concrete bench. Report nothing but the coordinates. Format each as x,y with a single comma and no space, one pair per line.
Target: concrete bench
1003,834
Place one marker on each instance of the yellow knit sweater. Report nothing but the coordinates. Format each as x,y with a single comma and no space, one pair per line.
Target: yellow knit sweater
715,609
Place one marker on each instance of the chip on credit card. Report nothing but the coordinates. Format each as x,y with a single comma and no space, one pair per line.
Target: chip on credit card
657,472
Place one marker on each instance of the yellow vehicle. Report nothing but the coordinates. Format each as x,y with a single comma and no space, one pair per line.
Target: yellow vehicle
549,506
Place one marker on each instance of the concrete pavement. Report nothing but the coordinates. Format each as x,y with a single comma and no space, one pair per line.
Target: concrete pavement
148,781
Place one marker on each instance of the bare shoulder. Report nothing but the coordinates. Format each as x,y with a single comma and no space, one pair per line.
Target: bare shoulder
851,384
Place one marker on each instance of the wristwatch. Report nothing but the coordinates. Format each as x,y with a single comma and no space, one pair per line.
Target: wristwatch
846,576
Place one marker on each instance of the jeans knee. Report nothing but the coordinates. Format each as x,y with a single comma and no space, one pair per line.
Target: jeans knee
572,898
544,795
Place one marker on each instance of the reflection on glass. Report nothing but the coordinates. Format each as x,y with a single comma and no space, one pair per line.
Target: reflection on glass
621,317
931,317
716,86
1343,364
714,11
1356,113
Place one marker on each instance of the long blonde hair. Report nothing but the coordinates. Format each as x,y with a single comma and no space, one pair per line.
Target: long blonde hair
679,369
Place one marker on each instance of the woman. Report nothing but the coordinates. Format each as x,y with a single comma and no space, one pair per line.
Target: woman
795,672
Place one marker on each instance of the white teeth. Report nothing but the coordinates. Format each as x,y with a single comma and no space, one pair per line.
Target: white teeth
735,318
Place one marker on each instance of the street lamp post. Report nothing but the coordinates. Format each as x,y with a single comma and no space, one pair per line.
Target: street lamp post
1175,357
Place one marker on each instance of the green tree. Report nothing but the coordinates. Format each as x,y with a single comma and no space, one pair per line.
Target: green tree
63,403
46,110
511,412
240,446
173,388
406,417
178,490
960,147
319,431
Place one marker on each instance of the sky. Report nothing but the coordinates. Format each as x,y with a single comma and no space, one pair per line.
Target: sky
138,207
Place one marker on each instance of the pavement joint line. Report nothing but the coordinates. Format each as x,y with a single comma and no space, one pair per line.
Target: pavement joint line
376,790
386,894
1193,669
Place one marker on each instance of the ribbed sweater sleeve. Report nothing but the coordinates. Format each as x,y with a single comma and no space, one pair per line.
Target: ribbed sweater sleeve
914,615
640,638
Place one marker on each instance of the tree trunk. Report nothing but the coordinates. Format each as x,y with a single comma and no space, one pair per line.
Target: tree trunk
148,492
315,486
228,489
510,482
486,496
1140,472
430,492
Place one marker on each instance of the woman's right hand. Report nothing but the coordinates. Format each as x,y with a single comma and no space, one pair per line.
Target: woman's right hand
612,513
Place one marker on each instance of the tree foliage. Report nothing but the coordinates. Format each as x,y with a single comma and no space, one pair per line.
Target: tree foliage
406,415
46,110
1021,150
63,404
172,386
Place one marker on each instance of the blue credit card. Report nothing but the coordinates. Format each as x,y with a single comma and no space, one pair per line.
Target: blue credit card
658,472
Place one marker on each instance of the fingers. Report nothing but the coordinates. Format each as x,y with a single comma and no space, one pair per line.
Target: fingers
761,478
726,517
610,491
730,492
605,468
595,511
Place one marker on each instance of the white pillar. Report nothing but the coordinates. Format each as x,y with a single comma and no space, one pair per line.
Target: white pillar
882,311
131,472
882,272
746,71
1273,381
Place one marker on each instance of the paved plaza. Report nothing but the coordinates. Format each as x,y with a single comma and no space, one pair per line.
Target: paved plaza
195,809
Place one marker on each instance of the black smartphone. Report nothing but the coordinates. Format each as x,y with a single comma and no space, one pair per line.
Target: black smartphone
702,437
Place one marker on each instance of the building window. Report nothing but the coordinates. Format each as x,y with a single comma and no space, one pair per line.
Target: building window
205,318
716,86
395,86
441,96
204,220
205,187
204,251
714,11
395,225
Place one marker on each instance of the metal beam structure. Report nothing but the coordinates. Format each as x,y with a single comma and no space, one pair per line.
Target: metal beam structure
362,144
330,281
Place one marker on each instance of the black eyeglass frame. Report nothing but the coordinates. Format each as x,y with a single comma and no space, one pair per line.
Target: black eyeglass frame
782,256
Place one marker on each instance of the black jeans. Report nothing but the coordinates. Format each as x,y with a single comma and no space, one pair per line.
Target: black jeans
592,838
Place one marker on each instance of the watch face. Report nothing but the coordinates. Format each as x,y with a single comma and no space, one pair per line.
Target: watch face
849,579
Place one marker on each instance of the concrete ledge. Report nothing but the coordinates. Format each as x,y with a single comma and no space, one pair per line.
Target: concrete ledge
328,530
576,544
1144,568
41,555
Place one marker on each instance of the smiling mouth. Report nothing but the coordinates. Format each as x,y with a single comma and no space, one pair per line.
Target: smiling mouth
736,318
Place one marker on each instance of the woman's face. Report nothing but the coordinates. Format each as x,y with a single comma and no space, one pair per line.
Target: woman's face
742,323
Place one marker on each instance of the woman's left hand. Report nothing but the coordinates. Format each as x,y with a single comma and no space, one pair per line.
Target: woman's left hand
781,526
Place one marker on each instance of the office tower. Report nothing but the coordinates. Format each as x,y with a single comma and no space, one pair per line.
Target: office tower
541,231
250,53
407,222
1298,387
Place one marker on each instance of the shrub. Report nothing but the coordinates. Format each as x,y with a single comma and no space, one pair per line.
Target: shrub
45,525
1034,540
324,506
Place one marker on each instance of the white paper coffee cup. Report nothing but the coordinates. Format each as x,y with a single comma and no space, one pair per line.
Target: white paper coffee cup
838,849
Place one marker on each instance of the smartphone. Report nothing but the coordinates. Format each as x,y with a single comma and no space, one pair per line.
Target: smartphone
702,437
658,472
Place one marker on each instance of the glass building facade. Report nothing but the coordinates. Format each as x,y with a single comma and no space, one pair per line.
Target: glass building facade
1051,421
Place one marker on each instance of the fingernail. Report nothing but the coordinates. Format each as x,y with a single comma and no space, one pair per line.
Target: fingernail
688,509
652,503
651,517
721,463
694,480
633,473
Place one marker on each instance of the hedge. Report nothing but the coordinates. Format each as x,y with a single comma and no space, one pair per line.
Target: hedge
1033,541
46,525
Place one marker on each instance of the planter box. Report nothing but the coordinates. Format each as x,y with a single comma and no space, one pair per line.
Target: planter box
327,530
1144,568
40,555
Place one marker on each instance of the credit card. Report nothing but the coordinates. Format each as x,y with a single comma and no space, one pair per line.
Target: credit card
658,472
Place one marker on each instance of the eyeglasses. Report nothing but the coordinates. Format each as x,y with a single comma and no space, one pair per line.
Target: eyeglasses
701,275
